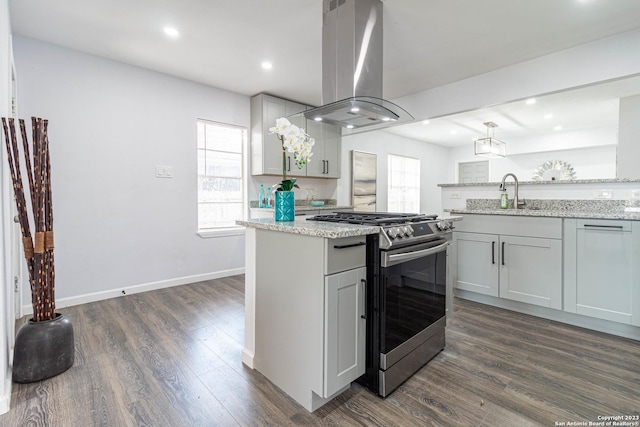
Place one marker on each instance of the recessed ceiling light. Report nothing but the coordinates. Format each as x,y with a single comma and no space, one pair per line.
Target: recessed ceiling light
267,65
548,116
349,126
171,32
355,109
557,127
530,101
425,122
386,119
317,119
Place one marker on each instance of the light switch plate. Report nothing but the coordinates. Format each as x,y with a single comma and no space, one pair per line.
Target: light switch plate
164,171
603,194
454,195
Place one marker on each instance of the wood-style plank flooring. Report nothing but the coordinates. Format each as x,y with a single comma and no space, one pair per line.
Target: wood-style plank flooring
172,357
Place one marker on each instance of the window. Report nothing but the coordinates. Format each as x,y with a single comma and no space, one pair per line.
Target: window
220,175
404,184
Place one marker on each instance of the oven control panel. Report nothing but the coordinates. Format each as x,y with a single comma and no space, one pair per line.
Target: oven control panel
419,231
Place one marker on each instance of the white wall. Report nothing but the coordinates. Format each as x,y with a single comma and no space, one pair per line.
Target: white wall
609,58
116,225
6,290
432,168
590,162
605,59
629,148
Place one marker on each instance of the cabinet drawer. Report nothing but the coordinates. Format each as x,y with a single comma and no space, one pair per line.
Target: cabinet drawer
345,254
603,224
549,228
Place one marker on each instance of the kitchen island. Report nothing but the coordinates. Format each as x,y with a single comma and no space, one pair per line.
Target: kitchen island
304,305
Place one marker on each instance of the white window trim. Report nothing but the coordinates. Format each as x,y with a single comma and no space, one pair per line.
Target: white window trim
233,230
222,232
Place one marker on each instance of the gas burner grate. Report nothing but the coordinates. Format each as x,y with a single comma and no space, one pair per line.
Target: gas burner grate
373,218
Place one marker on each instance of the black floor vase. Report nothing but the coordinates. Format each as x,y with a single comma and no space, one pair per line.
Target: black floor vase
43,349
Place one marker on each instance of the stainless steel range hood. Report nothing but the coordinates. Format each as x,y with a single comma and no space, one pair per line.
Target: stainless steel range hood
352,67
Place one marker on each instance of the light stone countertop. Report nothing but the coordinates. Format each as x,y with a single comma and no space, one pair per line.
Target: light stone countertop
630,216
329,230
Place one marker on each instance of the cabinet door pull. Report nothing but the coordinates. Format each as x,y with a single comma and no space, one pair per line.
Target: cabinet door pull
364,287
350,245
493,252
327,172
617,227
503,253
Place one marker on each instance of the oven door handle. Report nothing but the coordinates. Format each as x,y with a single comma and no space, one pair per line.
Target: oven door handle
389,260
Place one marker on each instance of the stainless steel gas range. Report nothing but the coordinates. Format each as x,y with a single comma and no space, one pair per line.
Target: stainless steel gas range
406,293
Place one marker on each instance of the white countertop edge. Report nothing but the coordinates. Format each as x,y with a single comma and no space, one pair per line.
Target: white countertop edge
557,182
311,228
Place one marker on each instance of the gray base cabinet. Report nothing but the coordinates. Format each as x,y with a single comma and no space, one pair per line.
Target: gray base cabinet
531,270
344,356
309,314
477,269
602,274
514,258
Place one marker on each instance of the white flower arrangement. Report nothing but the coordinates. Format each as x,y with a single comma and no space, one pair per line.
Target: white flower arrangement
294,140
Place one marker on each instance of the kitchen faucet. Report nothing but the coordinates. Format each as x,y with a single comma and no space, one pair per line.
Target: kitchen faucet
517,204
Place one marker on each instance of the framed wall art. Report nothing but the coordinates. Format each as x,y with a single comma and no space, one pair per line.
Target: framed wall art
363,184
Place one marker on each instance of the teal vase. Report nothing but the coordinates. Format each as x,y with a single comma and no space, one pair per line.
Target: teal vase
285,206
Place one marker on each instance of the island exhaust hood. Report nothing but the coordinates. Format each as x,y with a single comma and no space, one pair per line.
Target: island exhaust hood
352,67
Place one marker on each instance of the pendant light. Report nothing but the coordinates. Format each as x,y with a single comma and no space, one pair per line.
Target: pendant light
489,146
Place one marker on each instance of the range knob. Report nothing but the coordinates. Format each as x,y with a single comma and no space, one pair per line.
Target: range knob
408,230
444,226
393,232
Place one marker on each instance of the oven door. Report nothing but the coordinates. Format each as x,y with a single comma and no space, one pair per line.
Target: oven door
413,299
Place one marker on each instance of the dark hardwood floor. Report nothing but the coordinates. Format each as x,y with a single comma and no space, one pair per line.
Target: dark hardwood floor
172,357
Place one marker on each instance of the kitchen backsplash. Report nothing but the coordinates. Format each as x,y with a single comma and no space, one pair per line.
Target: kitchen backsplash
303,202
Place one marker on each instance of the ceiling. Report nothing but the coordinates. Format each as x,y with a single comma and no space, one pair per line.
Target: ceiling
590,107
222,43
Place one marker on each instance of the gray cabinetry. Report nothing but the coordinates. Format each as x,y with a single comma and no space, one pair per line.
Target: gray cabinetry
477,270
514,258
325,162
266,149
344,349
531,270
602,274
309,329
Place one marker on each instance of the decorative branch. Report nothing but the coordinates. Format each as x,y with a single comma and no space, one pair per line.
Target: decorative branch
39,250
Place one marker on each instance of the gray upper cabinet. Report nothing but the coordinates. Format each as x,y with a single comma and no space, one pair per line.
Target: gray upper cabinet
602,276
266,149
325,162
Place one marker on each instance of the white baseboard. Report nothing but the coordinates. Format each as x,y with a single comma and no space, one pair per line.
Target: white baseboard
136,289
5,399
247,358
